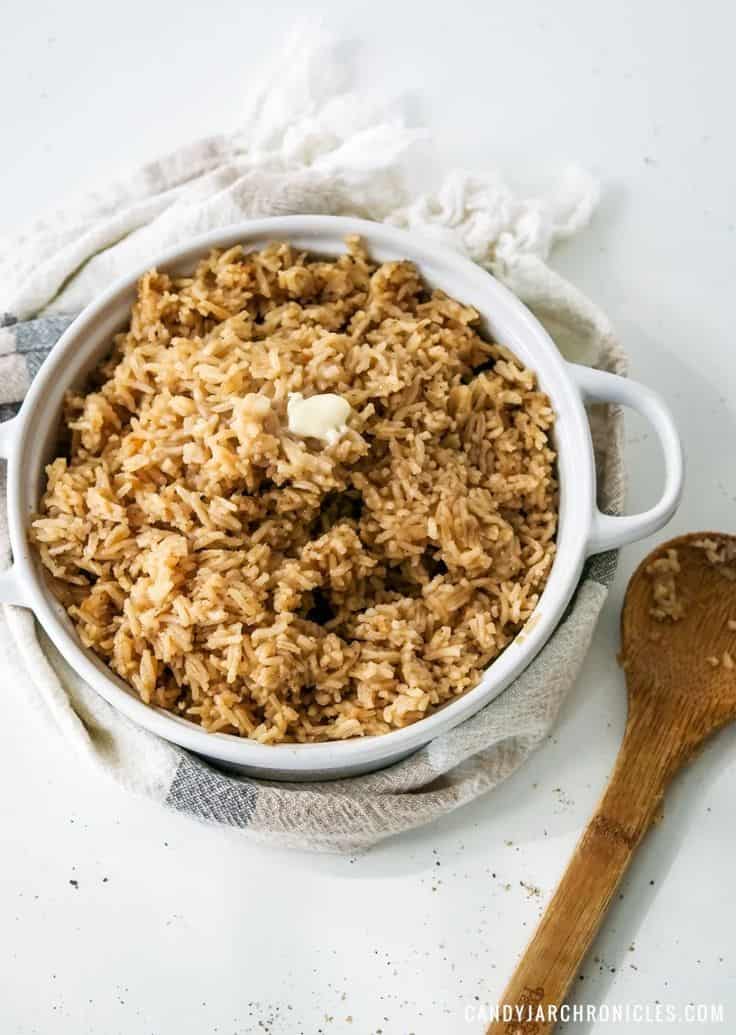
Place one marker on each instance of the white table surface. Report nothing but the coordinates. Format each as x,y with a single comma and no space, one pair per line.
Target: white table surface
174,928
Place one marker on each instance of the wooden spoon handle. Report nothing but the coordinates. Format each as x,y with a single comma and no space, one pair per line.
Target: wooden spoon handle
553,957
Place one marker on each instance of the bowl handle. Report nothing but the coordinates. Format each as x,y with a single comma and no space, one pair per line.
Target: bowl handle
12,590
9,430
609,532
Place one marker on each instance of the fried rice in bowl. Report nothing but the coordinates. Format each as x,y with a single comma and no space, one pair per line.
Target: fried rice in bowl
274,585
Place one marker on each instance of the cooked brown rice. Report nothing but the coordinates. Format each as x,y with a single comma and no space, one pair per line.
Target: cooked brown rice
666,602
721,553
273,586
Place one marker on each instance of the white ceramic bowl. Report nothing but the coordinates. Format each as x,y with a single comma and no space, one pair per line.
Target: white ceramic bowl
28,442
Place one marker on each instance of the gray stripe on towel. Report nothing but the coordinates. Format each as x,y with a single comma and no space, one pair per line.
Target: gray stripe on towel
41,334
602,567
34,358
201,791
8,410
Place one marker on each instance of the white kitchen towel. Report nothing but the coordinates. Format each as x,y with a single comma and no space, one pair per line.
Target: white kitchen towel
308,145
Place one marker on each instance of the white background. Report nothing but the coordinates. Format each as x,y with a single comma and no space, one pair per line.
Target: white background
175,928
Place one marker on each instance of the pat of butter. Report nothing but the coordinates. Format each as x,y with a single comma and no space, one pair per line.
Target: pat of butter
320,416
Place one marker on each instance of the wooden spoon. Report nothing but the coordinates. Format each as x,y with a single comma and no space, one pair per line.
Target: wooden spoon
677,698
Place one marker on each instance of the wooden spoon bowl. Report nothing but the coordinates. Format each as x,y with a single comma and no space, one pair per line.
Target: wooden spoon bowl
669,665
681,689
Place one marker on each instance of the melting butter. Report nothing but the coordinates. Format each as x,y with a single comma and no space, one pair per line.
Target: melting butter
320,416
